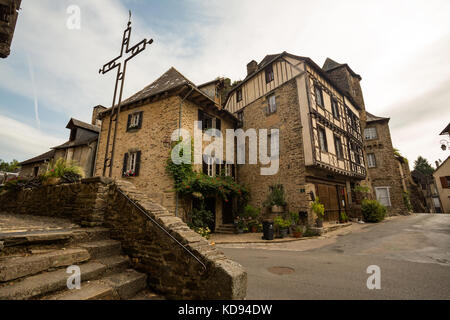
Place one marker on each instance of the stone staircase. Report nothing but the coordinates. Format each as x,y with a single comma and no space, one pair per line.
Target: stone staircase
33,266
226,229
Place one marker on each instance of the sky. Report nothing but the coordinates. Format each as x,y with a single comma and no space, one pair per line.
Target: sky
400,48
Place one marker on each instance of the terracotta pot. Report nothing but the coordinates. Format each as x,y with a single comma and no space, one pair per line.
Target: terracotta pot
319,223
297,234
254,229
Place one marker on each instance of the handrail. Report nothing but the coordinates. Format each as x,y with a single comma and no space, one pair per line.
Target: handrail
162,228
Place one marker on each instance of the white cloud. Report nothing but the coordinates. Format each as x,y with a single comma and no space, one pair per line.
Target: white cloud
20,141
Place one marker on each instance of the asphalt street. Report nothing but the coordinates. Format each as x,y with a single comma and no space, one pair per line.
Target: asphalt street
413,254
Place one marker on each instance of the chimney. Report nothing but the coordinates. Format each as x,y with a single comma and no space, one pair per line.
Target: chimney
251,67
95,112
437,164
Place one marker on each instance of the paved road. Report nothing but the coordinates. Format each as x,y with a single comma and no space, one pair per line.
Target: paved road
413,254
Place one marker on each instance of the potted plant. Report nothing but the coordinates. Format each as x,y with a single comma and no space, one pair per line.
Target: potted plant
343,218
319,210
297,231
276,201
282,226
252,214
240,225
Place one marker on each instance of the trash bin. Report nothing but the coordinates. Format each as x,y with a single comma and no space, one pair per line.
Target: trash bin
267,230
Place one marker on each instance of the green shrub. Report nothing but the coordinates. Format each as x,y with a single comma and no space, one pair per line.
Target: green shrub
276,197
407,201
373,211
66,170
318,208
295,217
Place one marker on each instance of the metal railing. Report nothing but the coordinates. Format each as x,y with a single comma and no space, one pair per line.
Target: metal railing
163,229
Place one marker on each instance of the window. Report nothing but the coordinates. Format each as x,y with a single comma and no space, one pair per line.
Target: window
240,116
338,146
272,107
383,196
319,96
206,120
322,139
4,13
239,95
335,108
445,182
131,164
134,121
208,166
269,74
370,133
371,160
35,171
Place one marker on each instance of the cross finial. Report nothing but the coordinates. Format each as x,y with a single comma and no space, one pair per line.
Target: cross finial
129,19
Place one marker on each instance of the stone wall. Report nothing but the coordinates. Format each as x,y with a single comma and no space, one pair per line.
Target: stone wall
170,269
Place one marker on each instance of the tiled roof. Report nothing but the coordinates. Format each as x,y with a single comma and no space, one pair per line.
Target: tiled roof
76,143
77,123
331,65
43,157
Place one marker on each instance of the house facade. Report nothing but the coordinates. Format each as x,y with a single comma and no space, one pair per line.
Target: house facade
320,133
387,175
442,177
9,12
36,166
145,129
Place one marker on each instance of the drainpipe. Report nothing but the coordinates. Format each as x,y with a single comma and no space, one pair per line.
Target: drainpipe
180,117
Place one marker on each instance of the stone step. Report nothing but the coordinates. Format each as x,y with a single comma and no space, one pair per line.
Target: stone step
127,284
89,234
115,263
12,268
122,285
102,248
147,295
47,282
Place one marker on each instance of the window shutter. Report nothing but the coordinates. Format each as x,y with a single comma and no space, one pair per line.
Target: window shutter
125,162
200,118
219,124
140,120
138,163
129,122
444,182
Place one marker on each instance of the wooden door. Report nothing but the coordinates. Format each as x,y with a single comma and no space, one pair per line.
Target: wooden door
328,196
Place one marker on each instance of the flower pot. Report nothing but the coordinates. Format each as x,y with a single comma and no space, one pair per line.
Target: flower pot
277,209
284,233
297,234
319,223
254,229
240,231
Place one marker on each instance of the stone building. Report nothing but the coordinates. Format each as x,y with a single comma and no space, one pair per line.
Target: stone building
429,191
386,171
442,178
36,166
80,149
145,127
9,11
321,145
82,145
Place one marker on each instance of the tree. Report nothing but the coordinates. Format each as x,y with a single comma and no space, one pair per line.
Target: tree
9,167
422,165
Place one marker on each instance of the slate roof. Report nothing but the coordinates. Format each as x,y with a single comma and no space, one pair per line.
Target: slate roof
41,158
330,65
446,130
171,80
76,143
77,123
373,118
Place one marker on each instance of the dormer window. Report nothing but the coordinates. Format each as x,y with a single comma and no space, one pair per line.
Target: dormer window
269,74
239,95
134,121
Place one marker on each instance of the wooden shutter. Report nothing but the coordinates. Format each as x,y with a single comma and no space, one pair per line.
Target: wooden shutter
138,163
444,182
219,124
140,120
129,122
125,162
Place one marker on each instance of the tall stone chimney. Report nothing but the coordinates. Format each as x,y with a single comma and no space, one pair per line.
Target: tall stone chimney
252,66
95,112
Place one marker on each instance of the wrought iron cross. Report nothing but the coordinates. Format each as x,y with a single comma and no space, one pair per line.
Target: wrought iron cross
119,63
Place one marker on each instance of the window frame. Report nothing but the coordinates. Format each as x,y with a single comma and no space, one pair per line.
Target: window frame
132,119
388,195
270,75
335,108
271,110
375,137
320,130
339,147
239,95
374,164
318,90
132,163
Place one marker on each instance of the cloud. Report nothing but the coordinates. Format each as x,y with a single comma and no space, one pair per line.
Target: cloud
20,141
